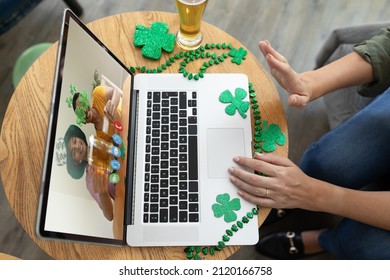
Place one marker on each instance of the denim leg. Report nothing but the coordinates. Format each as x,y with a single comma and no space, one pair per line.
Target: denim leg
357,152
354,155
354,240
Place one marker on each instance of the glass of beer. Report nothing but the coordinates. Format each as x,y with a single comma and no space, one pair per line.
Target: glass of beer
100,153
189,36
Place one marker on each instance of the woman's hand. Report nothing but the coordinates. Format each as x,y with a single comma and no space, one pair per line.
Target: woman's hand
99,179
292,82
283,186
110,109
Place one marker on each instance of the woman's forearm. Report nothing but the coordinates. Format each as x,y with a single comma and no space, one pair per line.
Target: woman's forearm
106,206
350,70
364,206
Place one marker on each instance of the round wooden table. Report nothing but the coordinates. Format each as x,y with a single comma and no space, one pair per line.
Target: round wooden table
24,128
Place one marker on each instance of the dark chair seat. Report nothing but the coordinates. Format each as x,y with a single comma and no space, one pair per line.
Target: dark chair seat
12,11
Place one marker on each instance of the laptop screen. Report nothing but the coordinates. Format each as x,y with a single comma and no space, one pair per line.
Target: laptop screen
83,180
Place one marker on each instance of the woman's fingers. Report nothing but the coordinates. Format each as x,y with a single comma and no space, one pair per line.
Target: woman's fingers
273,159
267,49
285,75
248,181
257,200
263,163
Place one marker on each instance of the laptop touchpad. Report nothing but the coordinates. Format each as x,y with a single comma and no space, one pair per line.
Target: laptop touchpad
222,145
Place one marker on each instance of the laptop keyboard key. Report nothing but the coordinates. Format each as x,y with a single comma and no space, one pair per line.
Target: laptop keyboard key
193,157
193,207
153,207
173,214
193,197
163,215
153,218
164,203
183,216
194,217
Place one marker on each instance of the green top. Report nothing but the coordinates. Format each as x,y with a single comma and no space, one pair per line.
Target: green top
377,52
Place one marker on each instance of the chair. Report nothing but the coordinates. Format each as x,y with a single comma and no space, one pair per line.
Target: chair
12,11
26,59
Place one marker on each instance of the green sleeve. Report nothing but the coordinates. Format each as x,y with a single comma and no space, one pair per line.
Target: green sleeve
376,51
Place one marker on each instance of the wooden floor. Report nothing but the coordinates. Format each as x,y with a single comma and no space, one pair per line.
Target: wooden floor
297,28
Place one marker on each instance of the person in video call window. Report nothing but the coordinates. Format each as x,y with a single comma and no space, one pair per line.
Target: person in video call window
106,102
97,181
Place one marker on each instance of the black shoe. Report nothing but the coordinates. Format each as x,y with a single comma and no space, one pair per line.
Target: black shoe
275,215
282,245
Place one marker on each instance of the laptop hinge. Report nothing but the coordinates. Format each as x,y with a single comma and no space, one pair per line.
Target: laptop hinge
131,159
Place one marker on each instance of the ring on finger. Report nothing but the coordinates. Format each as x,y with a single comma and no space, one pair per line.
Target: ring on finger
266,193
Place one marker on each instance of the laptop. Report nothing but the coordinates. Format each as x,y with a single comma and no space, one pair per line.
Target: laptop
139,159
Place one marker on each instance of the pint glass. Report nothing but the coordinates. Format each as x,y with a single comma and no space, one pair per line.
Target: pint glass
189,36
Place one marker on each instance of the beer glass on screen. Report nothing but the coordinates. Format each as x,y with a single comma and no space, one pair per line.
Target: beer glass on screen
189,36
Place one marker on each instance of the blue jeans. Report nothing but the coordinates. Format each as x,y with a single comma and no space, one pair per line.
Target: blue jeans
355,155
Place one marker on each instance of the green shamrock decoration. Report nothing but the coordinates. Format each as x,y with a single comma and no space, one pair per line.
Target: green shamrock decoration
238,55
69,99
83,104
236,102
270,135
226,207
154,39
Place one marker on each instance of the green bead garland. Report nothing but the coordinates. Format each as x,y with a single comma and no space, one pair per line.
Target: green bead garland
198,253
204,52
189,56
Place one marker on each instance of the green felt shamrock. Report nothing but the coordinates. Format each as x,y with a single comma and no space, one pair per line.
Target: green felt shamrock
226,207
236,102
270,135
238,55
154,39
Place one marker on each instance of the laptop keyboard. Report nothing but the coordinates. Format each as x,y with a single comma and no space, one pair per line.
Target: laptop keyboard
171,192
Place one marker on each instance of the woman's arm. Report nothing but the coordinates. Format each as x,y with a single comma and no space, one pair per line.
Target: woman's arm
302,88
368,207
106,206
350,70
97,182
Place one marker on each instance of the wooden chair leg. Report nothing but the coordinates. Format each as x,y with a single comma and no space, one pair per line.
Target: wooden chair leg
74,6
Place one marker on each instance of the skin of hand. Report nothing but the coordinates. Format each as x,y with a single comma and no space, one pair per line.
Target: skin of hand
350,70
113,96
110,109
286,186
286,183
299,93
